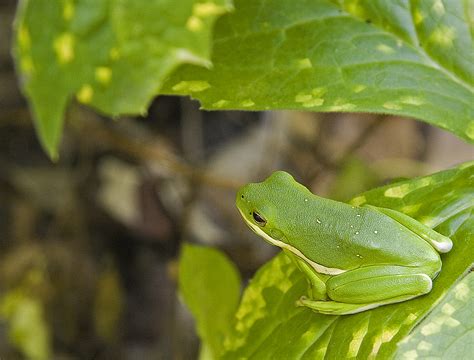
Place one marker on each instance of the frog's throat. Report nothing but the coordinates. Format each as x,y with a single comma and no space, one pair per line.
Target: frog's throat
317,267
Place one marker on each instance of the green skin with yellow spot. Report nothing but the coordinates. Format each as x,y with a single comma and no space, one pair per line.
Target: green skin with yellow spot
355,258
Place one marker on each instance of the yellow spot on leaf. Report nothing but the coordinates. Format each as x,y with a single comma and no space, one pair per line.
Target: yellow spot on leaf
68,10
412,100
443,36
398,191
103,74
438,8
191,86
359,88
24,39
423,182
340,106
375,348
194,24
418,17
208,9
410,209
461,292
355,8
389,333
452,322
84,95
301,98
431,328
410,319
321,352
64,47
470,130
253,305
313,103
312,99
358,201
305,63
220,103
26,64
248,103
114,53
318,92
392,106
356,342
410,355
385,49
424,346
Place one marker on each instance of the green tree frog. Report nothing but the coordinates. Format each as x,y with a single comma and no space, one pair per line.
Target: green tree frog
355,258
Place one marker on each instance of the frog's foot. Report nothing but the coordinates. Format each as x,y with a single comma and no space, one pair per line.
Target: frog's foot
334,307
339,308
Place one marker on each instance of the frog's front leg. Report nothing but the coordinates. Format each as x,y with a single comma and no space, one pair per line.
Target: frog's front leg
317,285
369,287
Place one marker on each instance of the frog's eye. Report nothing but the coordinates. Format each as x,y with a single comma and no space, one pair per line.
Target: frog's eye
259,219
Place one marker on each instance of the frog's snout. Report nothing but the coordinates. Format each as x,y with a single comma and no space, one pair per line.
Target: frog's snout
241,199
240,196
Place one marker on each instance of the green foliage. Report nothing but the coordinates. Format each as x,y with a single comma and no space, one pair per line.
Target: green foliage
409,58
110,54
210,286
268,325
448,332
27,327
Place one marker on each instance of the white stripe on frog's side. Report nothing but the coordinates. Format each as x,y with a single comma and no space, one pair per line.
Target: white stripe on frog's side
317,267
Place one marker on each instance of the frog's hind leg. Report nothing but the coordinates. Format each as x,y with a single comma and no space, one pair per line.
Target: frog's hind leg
370,287
441,243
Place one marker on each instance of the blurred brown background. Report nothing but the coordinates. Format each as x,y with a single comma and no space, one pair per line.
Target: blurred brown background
89,245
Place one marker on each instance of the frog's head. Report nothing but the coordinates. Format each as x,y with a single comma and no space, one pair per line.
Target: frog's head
265,206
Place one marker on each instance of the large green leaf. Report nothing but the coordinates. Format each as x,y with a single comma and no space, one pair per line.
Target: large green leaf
403,57
413,58
448,332
210,286
269,325
111,54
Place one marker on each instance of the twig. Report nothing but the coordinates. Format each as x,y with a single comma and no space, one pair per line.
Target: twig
354,146
147,150
361,139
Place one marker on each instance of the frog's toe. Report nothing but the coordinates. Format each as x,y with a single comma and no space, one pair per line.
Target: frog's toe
301,301
334,307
